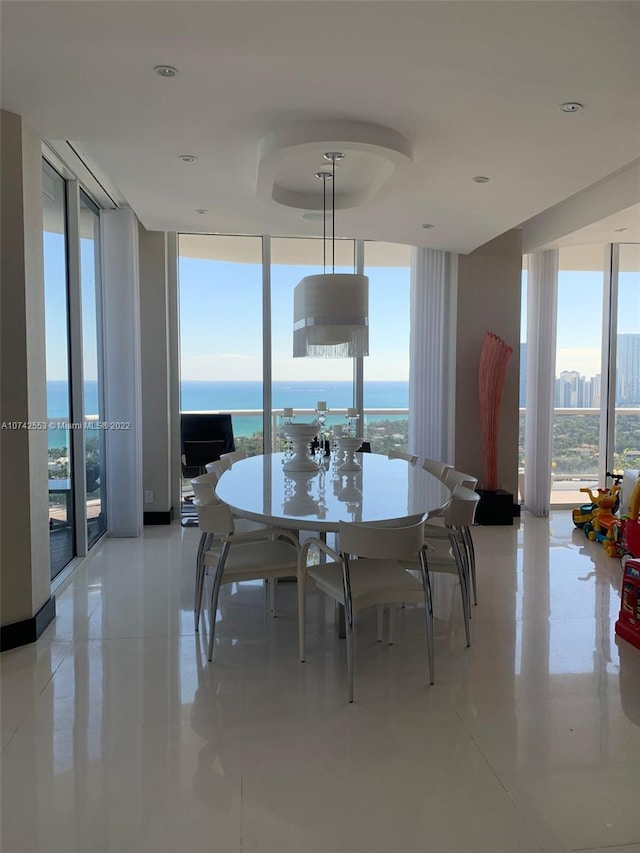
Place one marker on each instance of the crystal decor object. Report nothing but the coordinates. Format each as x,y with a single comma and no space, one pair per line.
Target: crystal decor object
300,436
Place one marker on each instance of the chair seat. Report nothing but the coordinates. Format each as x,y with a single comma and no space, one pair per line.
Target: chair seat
439,557
243,525
372,581
254,560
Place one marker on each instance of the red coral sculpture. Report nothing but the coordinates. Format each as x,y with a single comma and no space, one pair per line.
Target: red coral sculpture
494,359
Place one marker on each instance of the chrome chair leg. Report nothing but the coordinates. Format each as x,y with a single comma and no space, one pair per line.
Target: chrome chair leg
464,586
201,570
472,562
348,613
428,613
215,593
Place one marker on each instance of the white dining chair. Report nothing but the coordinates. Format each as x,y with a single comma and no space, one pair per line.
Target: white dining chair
266,554
234,455
438,469
399,454
366,572
455,478
204,495
219,466
435,527
449,556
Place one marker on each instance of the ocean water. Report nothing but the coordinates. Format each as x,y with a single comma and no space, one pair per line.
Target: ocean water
228,396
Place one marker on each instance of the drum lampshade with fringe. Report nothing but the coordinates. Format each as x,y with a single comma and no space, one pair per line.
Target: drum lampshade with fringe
330,316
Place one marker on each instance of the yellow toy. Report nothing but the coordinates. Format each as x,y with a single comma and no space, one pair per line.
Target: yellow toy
603,526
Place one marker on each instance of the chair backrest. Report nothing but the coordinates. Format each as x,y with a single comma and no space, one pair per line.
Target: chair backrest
198,453
234,456
214,518
455,478
219,467
369,540
203,488
438,469
398,454
462,509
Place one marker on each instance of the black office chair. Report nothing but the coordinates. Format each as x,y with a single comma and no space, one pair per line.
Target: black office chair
204,437
196,454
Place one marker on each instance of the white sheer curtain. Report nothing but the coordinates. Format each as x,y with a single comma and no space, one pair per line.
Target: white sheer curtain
432,354
122,366
542,303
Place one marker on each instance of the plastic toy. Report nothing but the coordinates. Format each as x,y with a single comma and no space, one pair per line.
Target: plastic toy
603,525
584,513
628,624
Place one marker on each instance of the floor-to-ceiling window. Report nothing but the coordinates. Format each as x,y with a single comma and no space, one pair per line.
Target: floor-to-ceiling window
220,280
61,492
93,398
74,365
386,369
576,424
627,388
596,413
227,363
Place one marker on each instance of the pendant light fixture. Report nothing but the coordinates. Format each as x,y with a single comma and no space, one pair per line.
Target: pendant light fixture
330,311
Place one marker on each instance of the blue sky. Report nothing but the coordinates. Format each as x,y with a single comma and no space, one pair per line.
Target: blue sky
216,345
221,309
579,333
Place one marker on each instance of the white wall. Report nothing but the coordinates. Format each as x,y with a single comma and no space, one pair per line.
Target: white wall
154,329
489,285
24,550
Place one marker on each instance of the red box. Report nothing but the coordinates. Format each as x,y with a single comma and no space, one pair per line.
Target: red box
632,536
628,624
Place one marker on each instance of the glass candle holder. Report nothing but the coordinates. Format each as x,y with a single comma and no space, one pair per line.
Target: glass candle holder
321,415
352,420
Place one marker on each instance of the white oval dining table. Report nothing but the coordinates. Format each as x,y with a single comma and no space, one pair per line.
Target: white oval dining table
384,489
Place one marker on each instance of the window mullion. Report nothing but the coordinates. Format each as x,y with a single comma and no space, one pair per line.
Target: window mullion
267,397
76,365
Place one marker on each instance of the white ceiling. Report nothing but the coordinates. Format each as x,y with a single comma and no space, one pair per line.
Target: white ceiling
474,87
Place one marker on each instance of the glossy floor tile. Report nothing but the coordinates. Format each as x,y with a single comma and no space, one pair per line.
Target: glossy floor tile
118,735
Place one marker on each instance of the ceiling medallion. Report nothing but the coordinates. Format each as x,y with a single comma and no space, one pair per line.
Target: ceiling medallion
288,157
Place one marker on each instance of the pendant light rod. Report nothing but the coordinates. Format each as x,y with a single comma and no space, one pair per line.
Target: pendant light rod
333,220
333,157
324,177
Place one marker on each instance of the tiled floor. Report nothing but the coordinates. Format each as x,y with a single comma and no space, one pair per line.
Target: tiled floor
117,735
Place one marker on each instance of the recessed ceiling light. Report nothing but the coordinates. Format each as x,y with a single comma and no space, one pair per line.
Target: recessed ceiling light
619,230
481,179
165,70
427,225
202,210
571,107
188,158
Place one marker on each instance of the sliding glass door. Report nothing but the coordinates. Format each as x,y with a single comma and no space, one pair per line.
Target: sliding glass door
93,399
576,424
626,452
61,491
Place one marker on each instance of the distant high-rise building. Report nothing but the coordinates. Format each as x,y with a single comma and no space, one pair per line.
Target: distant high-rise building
569,390
628,370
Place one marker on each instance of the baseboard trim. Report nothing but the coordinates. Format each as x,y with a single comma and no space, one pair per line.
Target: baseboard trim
28,630
158,517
